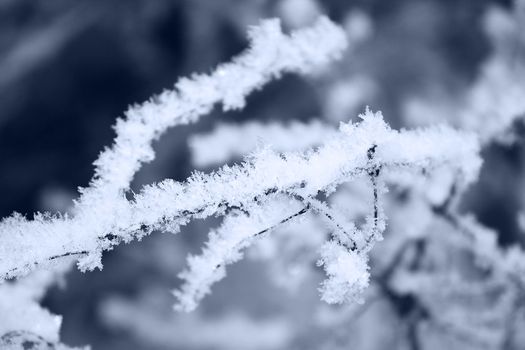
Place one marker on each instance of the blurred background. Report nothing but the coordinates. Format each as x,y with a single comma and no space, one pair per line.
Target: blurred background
68,69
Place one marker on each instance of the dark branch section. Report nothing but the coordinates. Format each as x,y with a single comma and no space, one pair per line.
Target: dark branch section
283,221
373,172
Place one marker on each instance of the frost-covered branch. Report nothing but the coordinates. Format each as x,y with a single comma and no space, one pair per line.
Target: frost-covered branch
359,150
254,186
169,204
271,54
99,217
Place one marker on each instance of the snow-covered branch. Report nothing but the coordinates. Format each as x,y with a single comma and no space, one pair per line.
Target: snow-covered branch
359,150
97,222
262,178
